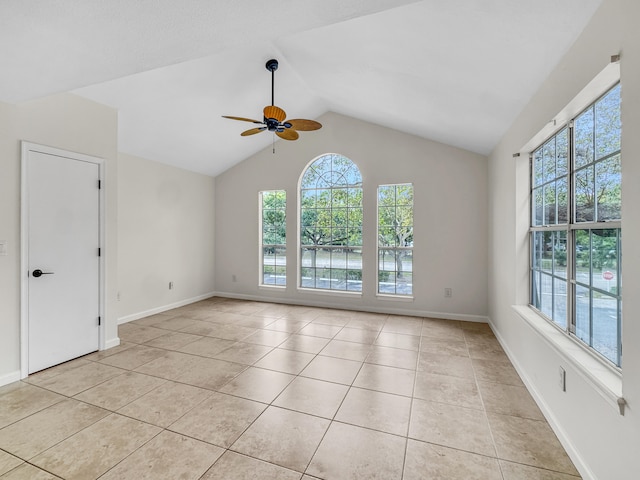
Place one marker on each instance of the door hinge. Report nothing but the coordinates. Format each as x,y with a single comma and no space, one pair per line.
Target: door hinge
99,251
99,184
99,321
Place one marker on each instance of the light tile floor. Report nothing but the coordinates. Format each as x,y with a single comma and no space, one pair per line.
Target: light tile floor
237,390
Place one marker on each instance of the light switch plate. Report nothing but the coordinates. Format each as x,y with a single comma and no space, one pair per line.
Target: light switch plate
3,248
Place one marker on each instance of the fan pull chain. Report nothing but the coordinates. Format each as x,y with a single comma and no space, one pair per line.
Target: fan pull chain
273,143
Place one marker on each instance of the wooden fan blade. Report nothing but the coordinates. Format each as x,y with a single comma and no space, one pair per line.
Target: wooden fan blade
271,111
242,119
304,125
289,134
253,131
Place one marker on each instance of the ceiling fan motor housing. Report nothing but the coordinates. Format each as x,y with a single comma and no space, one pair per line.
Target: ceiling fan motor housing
272,124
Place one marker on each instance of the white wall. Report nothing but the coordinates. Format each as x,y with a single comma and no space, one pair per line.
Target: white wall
603,444
165,234
67,122
450,217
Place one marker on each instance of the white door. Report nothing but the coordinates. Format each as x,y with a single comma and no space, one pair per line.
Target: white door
63,230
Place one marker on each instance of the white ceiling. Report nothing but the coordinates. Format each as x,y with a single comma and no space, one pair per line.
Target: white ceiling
455,71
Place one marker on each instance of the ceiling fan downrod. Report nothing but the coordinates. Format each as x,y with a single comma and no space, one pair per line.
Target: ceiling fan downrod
272,66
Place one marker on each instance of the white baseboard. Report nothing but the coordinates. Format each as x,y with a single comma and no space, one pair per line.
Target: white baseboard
10,378
555,425
396,309
114,342
164,308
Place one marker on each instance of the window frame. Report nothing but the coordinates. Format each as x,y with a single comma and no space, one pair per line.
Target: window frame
262,245
570,228
381,248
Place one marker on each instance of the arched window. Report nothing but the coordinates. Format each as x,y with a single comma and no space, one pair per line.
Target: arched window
331,225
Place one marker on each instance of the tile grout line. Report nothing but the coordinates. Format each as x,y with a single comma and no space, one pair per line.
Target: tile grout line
413,391
270,404
332,420
484,409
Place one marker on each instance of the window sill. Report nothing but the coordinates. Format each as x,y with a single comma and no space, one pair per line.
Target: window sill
272,287
606,381
332,293
395,298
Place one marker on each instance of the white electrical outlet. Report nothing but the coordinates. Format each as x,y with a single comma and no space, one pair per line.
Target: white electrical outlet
448,293
562,379
233,278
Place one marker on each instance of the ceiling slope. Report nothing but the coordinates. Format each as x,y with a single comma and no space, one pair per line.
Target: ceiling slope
53,46
458,72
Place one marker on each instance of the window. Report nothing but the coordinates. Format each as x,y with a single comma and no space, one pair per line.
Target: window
331,225
395,239
550,207
273,236
576,227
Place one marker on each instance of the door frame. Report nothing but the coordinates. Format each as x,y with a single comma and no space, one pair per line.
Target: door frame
24,244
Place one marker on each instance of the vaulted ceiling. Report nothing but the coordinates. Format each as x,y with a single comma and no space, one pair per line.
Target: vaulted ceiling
455,71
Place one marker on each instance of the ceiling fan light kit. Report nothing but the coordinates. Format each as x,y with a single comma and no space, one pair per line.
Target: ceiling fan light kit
274,117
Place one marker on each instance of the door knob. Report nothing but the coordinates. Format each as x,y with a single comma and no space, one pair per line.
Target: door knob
37,273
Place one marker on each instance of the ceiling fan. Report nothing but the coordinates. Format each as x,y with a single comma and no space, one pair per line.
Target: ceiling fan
274,117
